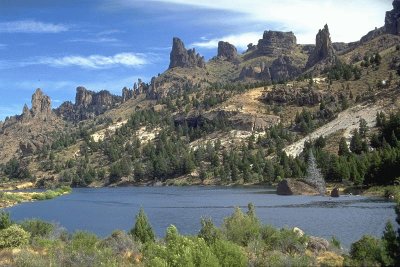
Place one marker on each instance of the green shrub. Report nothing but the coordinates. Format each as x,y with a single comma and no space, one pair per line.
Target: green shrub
83,241
37,228
241,228
30,259
229,254
120,242
5,220
209,232
13,236
368,251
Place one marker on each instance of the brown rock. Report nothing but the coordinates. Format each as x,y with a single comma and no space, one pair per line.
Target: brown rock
41,105
275,43
323,50
283,69
126,94
335,192
317,244
226,51
289,187
392,19
180,57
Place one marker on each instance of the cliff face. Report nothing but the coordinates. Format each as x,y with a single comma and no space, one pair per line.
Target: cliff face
180,57
276,43
88,104
323,50
392,19
227,51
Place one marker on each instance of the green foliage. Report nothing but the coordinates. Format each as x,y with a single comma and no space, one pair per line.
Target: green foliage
229,254
5,220
37,228
241,228
180,251
368,251
209,232
343,71
142,231
13,236
120,243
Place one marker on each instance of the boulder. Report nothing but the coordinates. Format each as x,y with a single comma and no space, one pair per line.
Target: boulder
335,192
317,244
180,57
289,187
323,51
226,51
392,19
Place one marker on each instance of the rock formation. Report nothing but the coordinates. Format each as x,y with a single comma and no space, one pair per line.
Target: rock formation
126,94
276,43
392,19
180,57
88,104
284,69
226,51
41,105
290,187
323,51
260,72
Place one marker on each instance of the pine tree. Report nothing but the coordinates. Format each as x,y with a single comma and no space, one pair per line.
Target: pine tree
314,175
343,148
142,231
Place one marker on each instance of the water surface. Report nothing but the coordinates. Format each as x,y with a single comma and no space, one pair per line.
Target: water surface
103,210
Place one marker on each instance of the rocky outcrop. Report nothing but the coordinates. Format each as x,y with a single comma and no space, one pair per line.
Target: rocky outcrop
289,187
275,43
260,72
226,51
180,57
88,104
283,69
126,94
41,105
323,51
392,19
317,244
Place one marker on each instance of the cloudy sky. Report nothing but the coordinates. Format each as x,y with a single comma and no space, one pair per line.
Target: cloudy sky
58,45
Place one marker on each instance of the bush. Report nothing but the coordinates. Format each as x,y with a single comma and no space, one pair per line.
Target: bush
241,228
37,228
209,232
13,236
5,220
120,243
368,251
229,254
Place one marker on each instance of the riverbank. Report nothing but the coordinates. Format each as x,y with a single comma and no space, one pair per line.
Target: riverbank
9,199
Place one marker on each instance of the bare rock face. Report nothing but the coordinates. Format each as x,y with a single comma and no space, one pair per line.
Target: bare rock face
283,69
260,72
88,104
226,51
298,96
392,19
41,105
180,57
26,113
323,51
126,94
276,43
290,187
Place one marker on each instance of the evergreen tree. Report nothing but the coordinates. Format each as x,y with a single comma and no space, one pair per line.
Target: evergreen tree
343,148
142,231
314,175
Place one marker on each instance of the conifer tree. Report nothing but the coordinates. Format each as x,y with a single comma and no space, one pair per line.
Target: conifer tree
314,175
142,231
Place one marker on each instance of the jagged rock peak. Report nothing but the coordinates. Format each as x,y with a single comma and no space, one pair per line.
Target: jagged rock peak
323,50
392,19
275,43
226,51
41,104
83,96
180,57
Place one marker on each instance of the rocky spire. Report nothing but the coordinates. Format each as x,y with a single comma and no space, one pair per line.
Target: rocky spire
180,57
392,19
323,50
226,51
41,105
26,113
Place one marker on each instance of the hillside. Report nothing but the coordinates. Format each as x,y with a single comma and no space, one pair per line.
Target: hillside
224,121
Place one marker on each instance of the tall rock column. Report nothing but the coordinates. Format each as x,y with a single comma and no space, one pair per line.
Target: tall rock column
323,50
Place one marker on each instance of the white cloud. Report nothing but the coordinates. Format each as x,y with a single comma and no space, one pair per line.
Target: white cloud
31,26
347,20
95,40
240,40
96,61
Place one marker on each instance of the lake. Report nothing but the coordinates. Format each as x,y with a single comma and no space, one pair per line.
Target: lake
103,210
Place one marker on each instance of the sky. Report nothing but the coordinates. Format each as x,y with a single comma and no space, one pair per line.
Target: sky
58,45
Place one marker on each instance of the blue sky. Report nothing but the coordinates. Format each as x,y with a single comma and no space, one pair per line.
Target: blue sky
58,45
